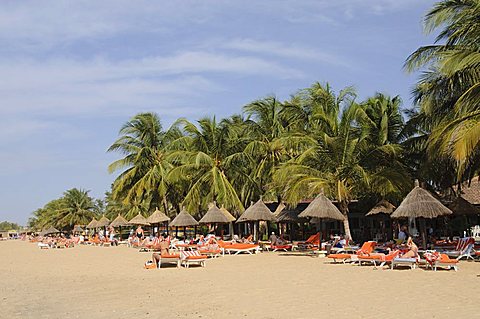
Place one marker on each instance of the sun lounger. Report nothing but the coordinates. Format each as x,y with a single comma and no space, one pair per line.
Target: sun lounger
168,259
464,249
380,259
281,247
446,261
412,262
241,248
238,248
366,249
192,257
311,243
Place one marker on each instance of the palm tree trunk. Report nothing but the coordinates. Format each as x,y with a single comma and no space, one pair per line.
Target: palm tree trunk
346,225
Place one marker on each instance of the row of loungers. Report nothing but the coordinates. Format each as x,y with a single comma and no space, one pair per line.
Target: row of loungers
366,254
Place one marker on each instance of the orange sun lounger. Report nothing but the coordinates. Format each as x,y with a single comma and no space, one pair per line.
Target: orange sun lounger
366,249
169,258
381,259
238,248
192,257
445,261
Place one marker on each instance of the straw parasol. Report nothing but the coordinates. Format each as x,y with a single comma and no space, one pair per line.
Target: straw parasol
77,229
230,217
214,216
103,222
138,220
460,206
382,207
92,224
119,222
49,230
420,203
285,215
184,219
158,217
256,212
322,207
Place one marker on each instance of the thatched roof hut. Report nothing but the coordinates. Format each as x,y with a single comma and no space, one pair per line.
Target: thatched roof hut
214,216
103,222
257,212
382,207
77,229
157,217
119,221
138,220
420,203
321,207
460,206
184,219
92,224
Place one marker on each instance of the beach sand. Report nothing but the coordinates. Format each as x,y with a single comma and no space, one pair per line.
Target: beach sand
110,282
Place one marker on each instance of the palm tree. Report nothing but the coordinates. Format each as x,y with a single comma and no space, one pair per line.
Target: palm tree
77,208
205,155
144,144
449,91
341,157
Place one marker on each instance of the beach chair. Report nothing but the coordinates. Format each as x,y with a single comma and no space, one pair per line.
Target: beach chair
445,261
192,257
311,243
464,249
398,261
380,259
169,259
285,248
241,248
366,249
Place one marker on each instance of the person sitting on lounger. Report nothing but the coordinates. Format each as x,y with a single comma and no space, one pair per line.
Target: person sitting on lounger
248,239
413,252
163,246
273,239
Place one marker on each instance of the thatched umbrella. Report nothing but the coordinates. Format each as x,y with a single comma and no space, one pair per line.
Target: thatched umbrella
256,213
460,206
382,207
77,229
49,230
184,219
158,217
214,216
119,221
92,224
419,203
382,210
287,216
139,220
103,222
321,208
230,217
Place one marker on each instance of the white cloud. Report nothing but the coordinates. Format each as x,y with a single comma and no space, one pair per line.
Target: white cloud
69,86
294,51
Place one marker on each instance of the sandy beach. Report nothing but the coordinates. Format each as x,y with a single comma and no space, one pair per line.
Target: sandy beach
110,282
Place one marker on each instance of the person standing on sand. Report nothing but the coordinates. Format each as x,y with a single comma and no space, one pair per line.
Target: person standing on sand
140,233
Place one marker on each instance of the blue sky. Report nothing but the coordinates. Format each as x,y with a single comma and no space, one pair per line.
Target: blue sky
72,72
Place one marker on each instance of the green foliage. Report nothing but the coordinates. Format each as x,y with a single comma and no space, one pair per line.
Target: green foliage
5,226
